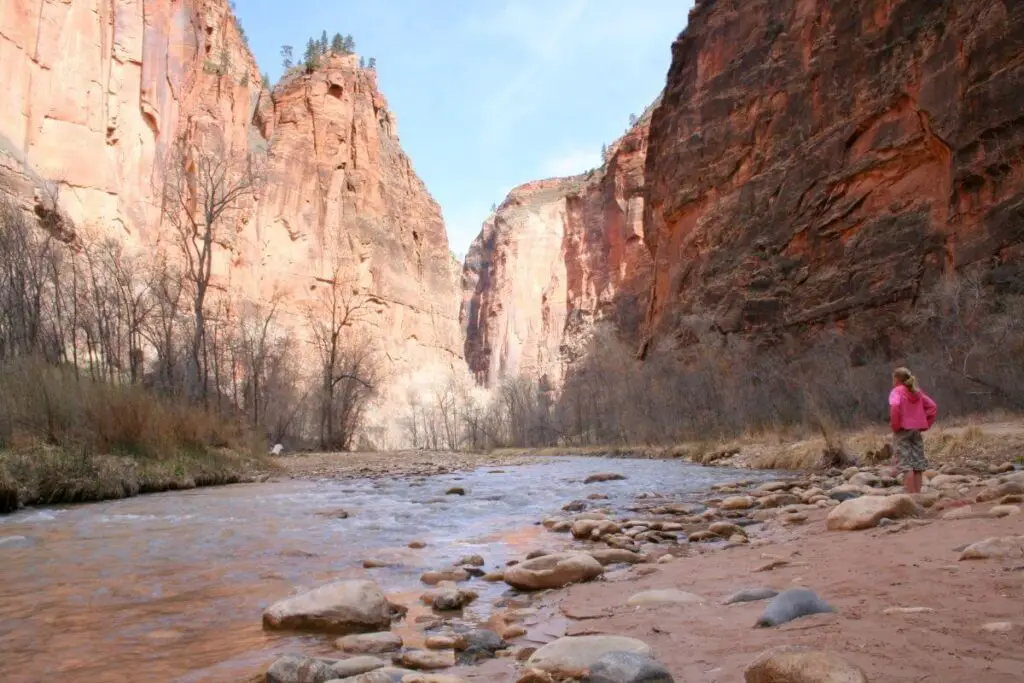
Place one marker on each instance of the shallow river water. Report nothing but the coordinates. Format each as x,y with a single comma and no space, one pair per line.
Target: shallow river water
170,587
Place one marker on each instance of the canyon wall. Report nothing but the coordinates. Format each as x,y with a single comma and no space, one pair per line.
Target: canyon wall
821,164
98,92
556,258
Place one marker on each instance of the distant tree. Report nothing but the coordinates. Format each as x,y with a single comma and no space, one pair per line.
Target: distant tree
604,152
286,56
372,64
311,58
362,62
632,120
494,207
349,44
324,44
225,63
338,44
266,81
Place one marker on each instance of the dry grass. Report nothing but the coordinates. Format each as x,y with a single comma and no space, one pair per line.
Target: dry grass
65,439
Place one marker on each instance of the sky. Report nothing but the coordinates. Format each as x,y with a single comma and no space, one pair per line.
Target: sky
490,94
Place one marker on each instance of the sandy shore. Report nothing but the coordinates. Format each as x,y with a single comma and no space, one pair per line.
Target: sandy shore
861,574
389,464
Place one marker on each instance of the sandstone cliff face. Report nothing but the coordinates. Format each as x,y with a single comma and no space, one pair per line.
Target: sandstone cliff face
817,163
94,91
344,203
557,257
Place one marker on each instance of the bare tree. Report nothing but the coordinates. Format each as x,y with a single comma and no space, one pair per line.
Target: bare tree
204,191
348,372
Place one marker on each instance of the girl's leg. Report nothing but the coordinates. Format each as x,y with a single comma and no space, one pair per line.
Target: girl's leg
919,480
908,481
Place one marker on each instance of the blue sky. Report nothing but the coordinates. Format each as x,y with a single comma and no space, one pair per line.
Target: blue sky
490,94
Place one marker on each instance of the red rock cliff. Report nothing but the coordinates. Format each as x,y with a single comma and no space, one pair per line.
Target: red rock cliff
816,162
557,257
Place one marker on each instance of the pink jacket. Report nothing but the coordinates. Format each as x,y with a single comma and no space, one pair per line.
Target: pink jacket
911,410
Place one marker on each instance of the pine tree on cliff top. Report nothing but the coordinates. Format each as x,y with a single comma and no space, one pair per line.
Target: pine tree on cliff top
323,44
338,44
372,64
311,58
349,44
286,56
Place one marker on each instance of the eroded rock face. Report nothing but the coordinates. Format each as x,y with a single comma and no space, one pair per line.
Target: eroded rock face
814,162
556,257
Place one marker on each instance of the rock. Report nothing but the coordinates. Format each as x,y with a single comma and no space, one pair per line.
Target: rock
726,529
357,665
494,576
341,607
665,559
737,503
1000,469
778,500
374,564
426,659
801,665
594,528
369,643
772,564
864,479
699,536
479,644
1012,499
997,492
998,627
561,527
664,596
597,496
439,642
417,545
575,506
792,604
574,654
608,556
750,595
513,631
866,511
771,486
995,548
471,560
965,512
603,476
298,669
553,571
535,676
1003,511
449,598
433,578
431,678
627,667
455,491
388,674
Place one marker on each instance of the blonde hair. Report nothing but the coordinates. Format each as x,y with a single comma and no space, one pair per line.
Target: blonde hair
906,378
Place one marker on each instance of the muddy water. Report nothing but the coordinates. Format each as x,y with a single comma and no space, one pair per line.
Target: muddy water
170,587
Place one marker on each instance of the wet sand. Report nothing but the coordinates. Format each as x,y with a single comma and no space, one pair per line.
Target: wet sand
860,574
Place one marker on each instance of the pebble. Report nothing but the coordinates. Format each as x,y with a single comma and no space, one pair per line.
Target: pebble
417,545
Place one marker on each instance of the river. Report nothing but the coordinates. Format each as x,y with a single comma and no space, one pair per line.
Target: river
170,587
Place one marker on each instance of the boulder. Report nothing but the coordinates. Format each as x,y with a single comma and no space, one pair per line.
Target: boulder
778,500
864,479
389,674
553,571
448,597
671,596
432,578
575,506
608,556
431,678
603,476
426,659
594,528
340,607
1003,510
995,548
298,669
727,529
792,604
737,503
627,667
997,492
866,511
801,665
357,665
572,655
369,643
482,644
455,491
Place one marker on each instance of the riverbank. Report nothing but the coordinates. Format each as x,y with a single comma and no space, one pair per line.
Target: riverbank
48,475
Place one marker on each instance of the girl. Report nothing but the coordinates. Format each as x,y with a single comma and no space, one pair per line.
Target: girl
911,411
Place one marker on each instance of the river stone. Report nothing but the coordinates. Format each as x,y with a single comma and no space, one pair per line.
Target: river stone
737,503
608,556
553,571
627,667
471,560
801,665
340,607
575,506
1003,510
995,548
369,643
603,476
574,654
455,491
432,578
479,644
432,678
447,597
391,674
298,669
726,529
357,665
672,596
866,511
792,604
427,659
750,595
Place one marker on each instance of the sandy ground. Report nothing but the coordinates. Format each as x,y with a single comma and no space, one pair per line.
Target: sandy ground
389,464
860,574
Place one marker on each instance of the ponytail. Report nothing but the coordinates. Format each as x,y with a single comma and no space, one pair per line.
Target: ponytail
906,378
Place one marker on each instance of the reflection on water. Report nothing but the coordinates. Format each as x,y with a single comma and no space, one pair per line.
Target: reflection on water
170,587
